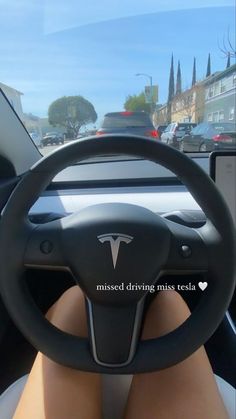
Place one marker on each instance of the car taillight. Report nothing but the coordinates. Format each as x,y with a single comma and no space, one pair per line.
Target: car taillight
126,113
222,138
101,133
152,133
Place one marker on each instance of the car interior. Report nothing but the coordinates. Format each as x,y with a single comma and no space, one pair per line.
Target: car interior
123,216
122,187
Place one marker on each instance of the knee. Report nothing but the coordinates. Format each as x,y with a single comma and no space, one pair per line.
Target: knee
69,312
168,299
166,312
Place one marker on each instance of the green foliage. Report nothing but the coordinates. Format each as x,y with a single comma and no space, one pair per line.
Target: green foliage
136,103
171,91
71,112
194,77
178,81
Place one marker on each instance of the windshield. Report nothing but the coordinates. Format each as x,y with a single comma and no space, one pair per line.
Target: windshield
126,120
73,69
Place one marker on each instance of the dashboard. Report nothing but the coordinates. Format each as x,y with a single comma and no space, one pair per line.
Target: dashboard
121,180
159,199
117,179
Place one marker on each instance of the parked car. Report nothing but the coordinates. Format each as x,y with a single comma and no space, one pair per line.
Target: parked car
37,139
160,129
52,138
210,136
175,132
138,123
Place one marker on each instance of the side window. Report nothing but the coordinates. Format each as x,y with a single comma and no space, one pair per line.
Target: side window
202,129
195,130
168,128
198,130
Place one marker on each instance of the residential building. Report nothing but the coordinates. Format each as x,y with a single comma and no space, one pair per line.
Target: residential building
220,96
160,115
14,97
188,106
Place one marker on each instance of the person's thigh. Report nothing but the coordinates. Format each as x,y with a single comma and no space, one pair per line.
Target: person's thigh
57,392
185,391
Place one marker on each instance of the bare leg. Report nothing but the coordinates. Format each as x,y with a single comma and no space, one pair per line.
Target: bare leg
56,392
185,391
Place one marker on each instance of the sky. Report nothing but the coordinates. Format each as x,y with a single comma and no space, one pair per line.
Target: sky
94,49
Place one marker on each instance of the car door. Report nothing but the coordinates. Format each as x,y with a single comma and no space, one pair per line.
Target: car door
165,134
189,139
197,136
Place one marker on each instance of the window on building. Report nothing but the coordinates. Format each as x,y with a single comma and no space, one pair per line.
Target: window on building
209,117
221,116
223,86
211,91
217,88
231,113
216,116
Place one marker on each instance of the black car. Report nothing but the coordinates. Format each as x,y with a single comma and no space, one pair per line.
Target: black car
207,137
175,132
137,123
52,138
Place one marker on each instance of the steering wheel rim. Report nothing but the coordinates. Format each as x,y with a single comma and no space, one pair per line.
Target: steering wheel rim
217,241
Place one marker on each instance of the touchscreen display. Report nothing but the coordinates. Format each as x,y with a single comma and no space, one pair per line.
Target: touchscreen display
224,174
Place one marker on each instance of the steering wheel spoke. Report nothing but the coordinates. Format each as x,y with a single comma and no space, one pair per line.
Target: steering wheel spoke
44,246
114,332
188,250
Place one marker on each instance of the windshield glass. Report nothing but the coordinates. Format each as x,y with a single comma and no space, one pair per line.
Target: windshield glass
126,119
72,69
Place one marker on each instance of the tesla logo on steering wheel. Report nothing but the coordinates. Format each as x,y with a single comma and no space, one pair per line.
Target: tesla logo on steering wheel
115,239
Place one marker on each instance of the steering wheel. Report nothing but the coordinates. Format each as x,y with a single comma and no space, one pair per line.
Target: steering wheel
117,244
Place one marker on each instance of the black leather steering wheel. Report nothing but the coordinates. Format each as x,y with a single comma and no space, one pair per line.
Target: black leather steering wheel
117,244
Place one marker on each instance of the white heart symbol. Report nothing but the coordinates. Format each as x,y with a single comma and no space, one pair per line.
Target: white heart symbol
202,285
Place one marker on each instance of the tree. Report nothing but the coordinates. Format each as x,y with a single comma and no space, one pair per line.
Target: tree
71,112
228,60
178,81
208,72
227,48
171,91
136,103
194,78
